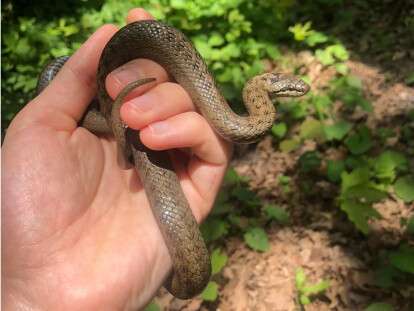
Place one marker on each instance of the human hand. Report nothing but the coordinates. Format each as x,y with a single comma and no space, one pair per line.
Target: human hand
77,230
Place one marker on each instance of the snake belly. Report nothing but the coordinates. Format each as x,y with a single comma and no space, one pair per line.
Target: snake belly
174,52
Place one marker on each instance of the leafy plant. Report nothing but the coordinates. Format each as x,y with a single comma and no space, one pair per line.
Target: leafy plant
256,238
379,306
218,261
306,290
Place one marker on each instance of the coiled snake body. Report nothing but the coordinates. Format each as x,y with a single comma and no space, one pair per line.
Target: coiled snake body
169,47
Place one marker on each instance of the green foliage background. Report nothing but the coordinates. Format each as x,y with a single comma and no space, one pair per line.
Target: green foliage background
220,29
234,37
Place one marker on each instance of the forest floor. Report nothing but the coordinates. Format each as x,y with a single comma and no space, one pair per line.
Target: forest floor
320,238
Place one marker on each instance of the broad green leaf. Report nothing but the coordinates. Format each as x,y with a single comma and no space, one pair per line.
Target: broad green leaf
301,31
403,259
356,177
354,82
152,307
360,142
210,293
314,289
359,213
304,300
404,188
338,130
342,68
311,129
316,37
339,51
379,306
388,162
277,213
321,104
279,130
256,238
289,145
325,57
215,39
335,169
218,261
385,275
273,52
213,229
246,196
232,177
364,193
284,180
300,278
310,161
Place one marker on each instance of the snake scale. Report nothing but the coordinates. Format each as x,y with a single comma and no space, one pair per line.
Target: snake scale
172,50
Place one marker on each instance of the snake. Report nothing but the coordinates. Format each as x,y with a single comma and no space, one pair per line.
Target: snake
157,41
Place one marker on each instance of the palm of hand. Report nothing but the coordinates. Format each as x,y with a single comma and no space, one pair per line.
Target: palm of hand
87,219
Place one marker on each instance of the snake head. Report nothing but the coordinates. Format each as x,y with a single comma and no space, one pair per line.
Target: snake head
280,84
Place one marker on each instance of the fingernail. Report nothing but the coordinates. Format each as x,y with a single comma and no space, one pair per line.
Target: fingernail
143,103
159,127
126,73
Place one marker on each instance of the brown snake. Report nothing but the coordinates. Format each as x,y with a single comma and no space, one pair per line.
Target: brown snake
172,50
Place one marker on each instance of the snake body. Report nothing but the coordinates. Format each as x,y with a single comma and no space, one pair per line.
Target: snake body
172,50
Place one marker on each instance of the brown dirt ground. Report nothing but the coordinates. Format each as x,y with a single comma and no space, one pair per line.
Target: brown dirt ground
320,239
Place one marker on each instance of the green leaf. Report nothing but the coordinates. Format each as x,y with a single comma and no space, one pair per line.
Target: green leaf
246,196
277,213
335,169
315,289
316,37
325,57
339,51
218,261
356,177
404,188
403,259
310,161
301,31
379,306
360,142
321,103
364,193
289,145
342,68
304,300
213,229
410,79
273,52
300,278
256,238
387,164
210,293
359,214
385,275
354,81
215,39
311,129
410,225
152,307
338,130
231,177
279,130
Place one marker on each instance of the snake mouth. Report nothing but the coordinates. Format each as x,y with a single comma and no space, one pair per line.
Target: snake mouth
300,88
